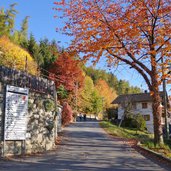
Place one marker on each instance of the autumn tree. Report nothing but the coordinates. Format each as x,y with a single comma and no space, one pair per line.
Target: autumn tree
66,114
106,92
121,86
89,99
13,56
84,98
135,32
66,71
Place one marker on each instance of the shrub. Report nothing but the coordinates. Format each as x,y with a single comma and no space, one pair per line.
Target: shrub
66,114
49,105
128,121
139,122
13,56
134,121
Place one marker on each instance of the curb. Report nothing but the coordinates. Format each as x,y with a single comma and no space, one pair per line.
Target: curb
158,155
148,153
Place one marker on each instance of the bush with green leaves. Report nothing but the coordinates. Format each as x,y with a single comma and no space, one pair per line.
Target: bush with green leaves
139,122
49,105
134,121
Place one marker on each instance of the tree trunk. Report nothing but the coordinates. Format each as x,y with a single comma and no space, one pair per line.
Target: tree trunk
157,114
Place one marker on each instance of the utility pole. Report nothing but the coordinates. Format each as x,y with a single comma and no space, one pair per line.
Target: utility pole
165,100
76,93
102,107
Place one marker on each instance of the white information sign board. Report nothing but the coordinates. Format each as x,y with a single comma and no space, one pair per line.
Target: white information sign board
16,108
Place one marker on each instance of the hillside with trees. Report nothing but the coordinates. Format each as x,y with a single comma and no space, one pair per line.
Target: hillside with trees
120,86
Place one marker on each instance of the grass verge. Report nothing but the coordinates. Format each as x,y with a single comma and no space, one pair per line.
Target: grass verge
145,138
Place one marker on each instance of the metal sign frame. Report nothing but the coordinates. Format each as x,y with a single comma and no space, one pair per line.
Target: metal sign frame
16,108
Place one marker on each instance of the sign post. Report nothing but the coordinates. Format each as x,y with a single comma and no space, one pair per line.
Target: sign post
16,107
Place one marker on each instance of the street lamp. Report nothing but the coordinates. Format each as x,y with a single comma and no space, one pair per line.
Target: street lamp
165,101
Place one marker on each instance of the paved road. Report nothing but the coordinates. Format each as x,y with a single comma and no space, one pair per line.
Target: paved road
85,147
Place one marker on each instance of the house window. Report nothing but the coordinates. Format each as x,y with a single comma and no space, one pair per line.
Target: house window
146,117
144,106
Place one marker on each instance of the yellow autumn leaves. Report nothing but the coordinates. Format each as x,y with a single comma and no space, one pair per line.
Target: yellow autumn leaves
13,56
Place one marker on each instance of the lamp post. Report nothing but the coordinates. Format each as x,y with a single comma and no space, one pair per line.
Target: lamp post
165,101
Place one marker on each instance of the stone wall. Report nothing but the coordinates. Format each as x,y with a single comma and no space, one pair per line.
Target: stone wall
40,129
41,124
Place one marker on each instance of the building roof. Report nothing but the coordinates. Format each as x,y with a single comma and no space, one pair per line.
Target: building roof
141,97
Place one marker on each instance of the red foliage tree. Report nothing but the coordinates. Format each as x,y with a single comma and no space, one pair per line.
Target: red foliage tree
66,114
66,71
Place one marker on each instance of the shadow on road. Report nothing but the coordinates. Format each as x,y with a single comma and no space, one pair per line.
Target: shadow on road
85,147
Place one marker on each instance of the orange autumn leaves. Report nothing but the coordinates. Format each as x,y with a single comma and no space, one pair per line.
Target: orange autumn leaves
106,92
132,31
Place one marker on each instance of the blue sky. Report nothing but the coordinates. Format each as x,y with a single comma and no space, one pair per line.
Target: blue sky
42,24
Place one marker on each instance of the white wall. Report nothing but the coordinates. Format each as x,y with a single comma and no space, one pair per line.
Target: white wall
139,109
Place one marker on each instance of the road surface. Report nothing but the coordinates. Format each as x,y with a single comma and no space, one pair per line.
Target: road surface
85,147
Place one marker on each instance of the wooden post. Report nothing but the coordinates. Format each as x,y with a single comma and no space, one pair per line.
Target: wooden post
26,64
55,121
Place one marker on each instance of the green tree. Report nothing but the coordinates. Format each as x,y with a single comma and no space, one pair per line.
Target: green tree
34,50
85,97
89,99
49,52
21,37
7,20
62,92
96,102
24,28
23,34
10,18
3,27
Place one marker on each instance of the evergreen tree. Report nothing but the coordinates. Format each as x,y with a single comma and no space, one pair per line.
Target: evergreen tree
48,51
24,28
7,20
10,18
3,28
24,33
34,50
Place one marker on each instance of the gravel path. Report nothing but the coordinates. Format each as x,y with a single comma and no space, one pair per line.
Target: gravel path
85,147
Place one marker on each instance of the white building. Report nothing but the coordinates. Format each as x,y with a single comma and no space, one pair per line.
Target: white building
140,103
